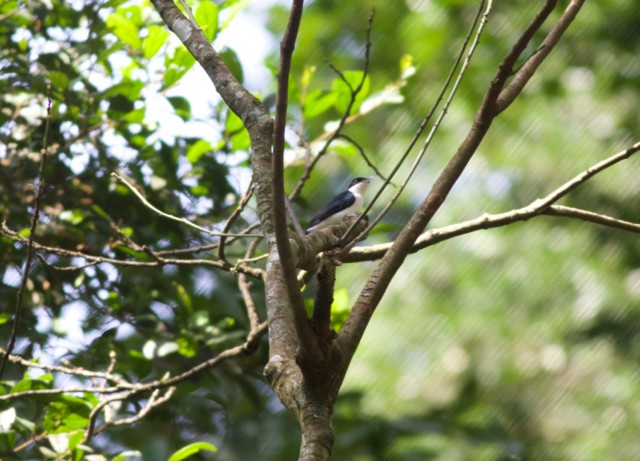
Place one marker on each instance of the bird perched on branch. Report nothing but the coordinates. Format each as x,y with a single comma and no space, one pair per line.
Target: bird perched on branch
343,204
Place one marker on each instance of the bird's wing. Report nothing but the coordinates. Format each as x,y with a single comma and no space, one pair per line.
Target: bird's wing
338,203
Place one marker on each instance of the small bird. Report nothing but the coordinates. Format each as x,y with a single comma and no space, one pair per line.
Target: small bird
343,204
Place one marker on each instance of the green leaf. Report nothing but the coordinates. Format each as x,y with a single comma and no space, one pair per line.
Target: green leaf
134,116
130,89
339,309
232,61
191,449
156,37
198,150
318,102
343,91
58,80
124,29
236,133
235,7
188,347
29,384
207,18
183,296
182,107
177,66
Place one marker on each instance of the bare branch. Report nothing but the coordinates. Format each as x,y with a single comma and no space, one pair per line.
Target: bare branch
424,123
346,117
381,277
524,73
231,219
321,319
308,350
364,156
34,221
245,290
184,221
589,216
536,208
159,260
154,401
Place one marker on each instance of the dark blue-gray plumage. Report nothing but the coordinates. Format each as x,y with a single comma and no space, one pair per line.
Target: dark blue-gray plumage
345,203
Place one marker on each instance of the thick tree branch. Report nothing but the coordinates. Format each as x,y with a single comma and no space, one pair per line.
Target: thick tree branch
309,350
321,319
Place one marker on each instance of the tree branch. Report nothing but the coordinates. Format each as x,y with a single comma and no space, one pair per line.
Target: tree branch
424,124
307,340
231,219
184,221
538,207
159,260
380,279
34,221
524,74
345,117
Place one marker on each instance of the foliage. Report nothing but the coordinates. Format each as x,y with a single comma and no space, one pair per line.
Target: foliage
510,343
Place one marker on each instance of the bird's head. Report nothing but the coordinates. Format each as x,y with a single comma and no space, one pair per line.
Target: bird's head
360,184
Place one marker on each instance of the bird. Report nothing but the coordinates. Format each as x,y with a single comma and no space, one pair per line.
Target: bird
343,204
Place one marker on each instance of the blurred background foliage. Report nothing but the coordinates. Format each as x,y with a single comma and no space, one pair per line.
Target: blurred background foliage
514,343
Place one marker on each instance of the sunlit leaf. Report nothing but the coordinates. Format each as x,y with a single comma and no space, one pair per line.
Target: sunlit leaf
127,455
340,308
344,90
198,149
124,29
207,18
191,449
167,348
318,102
156,37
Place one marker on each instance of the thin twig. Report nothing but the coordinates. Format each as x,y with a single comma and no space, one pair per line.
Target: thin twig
192,19
543,206
232,218
159,261
34,221
423,126
345,117
364,156
146,203
245,289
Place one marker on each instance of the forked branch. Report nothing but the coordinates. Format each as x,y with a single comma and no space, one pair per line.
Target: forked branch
381,277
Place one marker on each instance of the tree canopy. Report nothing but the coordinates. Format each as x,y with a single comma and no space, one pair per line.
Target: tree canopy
139,300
